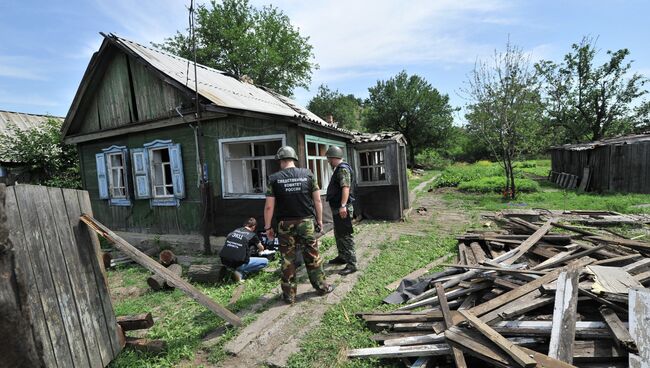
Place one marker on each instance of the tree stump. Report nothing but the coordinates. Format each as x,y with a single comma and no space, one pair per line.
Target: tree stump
156,282
167,258
206,273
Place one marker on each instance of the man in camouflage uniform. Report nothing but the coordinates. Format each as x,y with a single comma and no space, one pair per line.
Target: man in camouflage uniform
340,198
293,196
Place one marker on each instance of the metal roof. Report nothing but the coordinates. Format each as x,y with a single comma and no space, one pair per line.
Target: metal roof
626,139
219,87
22,120
376,137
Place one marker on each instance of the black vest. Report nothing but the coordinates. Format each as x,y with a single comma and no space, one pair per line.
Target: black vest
235,251
293,189
334,189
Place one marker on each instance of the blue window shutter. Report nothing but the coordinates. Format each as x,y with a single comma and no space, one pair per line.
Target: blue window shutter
177,170
102,179
141,182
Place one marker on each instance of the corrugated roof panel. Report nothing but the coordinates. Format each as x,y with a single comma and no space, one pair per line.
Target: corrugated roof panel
626,139
218,87
22,120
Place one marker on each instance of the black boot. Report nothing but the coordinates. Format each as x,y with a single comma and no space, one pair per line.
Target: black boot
337,260
348,270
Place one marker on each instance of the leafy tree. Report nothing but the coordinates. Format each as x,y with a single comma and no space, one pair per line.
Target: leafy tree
42,149
410,105
505,108
589,102
237,38
345,109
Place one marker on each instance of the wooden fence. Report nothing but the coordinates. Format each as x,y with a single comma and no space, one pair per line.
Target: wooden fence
68,300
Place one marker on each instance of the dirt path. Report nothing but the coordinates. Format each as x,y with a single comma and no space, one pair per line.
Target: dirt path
276,334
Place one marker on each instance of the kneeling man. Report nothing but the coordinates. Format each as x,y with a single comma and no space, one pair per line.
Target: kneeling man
236,252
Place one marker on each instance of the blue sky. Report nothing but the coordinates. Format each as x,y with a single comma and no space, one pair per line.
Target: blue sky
45,46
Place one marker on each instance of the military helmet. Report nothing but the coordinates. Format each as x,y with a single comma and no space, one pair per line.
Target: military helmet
286,152
335,152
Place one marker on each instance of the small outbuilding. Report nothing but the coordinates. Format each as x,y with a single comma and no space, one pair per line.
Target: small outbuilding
153,164
620,164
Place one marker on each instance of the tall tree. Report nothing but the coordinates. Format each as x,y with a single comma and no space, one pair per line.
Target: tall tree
410,105
590,102
505,108
344,109
237,38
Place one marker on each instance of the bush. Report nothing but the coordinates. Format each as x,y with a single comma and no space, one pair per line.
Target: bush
430,159
496,184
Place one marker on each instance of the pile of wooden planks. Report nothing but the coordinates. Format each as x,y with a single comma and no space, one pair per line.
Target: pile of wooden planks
545,294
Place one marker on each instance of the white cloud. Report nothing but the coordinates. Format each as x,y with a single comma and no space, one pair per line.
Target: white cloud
20,67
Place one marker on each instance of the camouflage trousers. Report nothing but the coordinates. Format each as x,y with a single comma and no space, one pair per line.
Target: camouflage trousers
299,236
344,235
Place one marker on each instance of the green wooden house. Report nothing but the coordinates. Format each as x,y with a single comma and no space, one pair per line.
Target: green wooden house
152,164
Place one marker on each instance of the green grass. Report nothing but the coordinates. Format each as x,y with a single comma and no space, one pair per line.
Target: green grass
494,184
414,180
554,199
180,321
340,329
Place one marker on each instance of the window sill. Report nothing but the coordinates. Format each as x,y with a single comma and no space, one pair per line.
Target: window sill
244,196
121,202
164,202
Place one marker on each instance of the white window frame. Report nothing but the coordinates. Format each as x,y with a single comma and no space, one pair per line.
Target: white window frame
152,170
321,161
122,172
224,163
360,180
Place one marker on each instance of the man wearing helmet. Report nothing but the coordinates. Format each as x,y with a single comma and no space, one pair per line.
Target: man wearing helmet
340,198
293,196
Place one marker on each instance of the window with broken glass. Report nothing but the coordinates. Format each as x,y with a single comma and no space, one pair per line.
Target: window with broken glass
161,173
372,166
116,175
248,163
317,160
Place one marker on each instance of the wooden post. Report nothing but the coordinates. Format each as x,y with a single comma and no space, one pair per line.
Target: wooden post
639,310
156,268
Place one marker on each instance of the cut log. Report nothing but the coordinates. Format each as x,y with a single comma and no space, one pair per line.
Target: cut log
135,322
157,282
206,273
146,345
167,257
156,268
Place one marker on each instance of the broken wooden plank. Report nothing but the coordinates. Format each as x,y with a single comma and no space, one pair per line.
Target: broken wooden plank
401,351
502,299
564,316
237,294
619,332
532,240
632,244
478,252
602,301
573,256
477,347
135,322
450,295
498,269
613,280
457,354
156,268
513,351
417,273
637,266
545,361
639,310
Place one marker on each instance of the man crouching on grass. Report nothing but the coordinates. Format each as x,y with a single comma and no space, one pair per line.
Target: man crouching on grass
236,252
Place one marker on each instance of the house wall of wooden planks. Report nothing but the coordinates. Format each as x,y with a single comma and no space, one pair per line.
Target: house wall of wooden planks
69,305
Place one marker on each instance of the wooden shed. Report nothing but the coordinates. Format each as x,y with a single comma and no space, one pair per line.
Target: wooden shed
620,164
144,150
382,184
